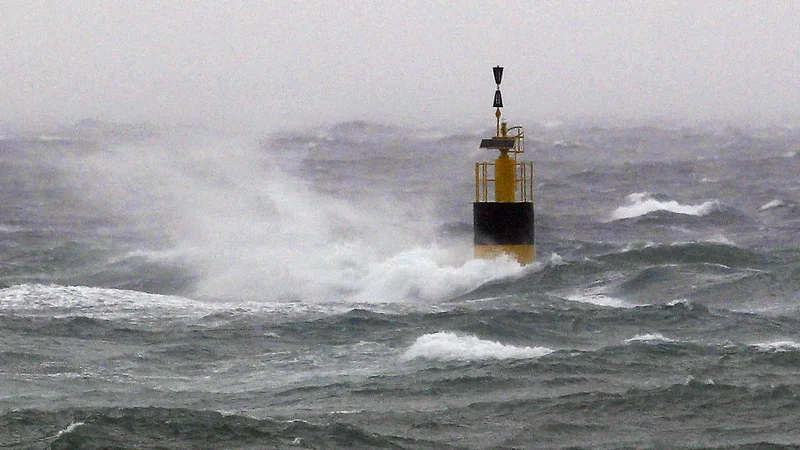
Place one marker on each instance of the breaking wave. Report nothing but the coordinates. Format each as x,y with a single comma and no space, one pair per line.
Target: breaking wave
650,337
449,346
642,203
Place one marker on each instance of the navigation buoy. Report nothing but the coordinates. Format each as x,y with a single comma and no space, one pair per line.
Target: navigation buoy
503,217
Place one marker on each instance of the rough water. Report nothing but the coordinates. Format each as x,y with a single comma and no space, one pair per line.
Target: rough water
315,289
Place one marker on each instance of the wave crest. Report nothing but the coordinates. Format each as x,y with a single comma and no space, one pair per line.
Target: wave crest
449,346
643,203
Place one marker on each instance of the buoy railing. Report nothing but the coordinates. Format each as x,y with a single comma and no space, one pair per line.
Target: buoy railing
484,176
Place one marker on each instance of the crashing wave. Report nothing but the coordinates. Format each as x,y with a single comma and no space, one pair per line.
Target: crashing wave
449,346
642,203
772,205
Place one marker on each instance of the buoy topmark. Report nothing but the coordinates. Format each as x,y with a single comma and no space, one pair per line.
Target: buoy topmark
503,217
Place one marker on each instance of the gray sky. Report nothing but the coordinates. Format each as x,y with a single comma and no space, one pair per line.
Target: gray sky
273,64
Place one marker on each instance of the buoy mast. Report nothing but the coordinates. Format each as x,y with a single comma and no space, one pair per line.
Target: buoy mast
503,217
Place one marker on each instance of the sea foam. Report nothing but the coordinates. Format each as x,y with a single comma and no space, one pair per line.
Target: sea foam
600,299
772,205
110,303
426,274
449,346
650,337
69,429
777,346
641,203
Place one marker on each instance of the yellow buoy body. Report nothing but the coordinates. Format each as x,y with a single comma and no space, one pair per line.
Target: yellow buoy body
504,224
505,177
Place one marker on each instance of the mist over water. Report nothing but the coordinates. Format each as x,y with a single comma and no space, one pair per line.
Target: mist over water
251,227
187,289
173,276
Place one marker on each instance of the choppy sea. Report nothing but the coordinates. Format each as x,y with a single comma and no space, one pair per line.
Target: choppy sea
180,289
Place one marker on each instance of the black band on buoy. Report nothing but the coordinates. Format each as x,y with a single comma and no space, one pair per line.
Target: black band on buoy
498,223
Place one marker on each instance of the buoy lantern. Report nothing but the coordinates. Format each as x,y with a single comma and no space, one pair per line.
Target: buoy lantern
503,217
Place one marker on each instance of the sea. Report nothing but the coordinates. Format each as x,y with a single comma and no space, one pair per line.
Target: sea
184,288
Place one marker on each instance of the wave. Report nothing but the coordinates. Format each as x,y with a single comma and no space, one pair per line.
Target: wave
95,303
616,279
155,427
449,346
772,205
685,414
778,346
4,228
598,298
650,337
69,429
657,283
643,203
686,252
424,274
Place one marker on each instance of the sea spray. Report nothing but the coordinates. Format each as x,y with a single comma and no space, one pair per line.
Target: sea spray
449,346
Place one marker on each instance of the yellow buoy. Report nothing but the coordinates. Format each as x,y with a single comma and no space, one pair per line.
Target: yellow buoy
504,221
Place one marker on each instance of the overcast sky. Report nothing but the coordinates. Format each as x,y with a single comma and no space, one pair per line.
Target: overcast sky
275,64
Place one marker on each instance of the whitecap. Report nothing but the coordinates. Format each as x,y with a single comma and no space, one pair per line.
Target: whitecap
10,228
719,239
556,260
772,205
777,346
641,203
425,274
347,412
109,303
449,346
600,299
680,302
650,337
70,428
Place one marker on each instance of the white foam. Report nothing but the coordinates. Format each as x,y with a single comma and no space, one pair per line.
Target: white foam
106,303
556,260
69,429
92,301
720,239
777,346
596,297
692,380
773,204
345,412
680,301
449,346
426,274
641,203
649,337
10,228
790,154
255,231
